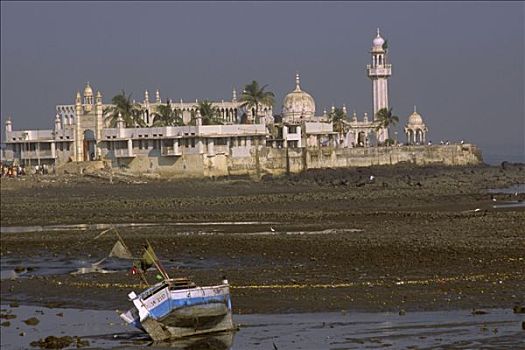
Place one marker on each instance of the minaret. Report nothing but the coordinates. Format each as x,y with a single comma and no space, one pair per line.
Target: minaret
58,123
198,118
234,95
88,97
78,150
78,99
99,110
120,121
379,72
157,96
8,127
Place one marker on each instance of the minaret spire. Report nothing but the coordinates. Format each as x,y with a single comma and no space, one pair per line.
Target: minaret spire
297,82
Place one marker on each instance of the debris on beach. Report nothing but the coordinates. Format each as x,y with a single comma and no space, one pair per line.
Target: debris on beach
479,312
33,321
52,342
519,309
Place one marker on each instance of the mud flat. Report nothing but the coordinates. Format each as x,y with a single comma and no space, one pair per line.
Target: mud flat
413,239
496,329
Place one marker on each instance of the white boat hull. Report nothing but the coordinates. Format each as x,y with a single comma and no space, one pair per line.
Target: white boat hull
169,314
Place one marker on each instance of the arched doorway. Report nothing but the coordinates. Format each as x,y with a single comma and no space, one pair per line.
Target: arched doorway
89,145
361,139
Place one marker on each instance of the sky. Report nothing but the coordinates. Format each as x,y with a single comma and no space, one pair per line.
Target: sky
461,63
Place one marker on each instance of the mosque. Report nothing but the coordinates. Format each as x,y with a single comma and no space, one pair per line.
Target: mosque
81,132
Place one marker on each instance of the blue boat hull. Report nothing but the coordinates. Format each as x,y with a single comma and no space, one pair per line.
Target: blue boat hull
166,313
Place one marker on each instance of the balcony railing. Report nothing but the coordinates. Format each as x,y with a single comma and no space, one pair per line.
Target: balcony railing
45,154
123,153
171,151
380,70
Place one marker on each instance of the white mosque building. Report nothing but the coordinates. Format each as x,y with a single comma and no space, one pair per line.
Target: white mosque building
81,133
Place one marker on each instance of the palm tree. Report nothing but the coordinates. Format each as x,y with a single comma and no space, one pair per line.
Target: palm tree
337,117
130,112
167,116
253,96
209,113
385,119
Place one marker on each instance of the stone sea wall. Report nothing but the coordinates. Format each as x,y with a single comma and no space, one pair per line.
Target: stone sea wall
261,161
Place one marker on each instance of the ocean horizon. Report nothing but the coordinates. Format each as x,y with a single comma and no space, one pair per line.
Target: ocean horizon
494,158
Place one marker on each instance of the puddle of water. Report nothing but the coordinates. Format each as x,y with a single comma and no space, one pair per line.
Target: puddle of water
273,229
443,329
15,267
509,205
518,188
84,227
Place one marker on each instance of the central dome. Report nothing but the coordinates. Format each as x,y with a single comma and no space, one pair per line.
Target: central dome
298,103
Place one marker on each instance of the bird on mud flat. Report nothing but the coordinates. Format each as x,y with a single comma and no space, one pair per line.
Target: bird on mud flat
272,229
476,210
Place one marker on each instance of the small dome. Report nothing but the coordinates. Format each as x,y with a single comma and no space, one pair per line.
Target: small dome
415,118
88,91
378,40
298,103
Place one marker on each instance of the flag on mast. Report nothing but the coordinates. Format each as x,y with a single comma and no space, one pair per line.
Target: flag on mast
120,251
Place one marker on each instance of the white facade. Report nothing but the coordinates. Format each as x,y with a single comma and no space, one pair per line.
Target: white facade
81,132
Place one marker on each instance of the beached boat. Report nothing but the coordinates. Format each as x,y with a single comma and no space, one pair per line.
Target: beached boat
176,308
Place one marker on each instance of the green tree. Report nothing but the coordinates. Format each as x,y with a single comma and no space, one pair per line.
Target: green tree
385,119
209,113
253,96
337,116
167,116
131,112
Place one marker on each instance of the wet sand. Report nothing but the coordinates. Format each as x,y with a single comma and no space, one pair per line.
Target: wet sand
411,240
497,329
